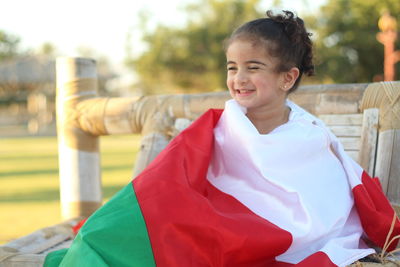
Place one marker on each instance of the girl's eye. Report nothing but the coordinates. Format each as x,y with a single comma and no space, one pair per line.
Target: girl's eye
231,68
254,68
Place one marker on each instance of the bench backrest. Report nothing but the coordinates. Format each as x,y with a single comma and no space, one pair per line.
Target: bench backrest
358,134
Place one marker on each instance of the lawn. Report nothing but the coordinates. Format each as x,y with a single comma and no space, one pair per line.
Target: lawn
29,185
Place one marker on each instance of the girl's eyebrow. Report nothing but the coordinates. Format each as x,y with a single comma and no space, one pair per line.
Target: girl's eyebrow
247,62
256,62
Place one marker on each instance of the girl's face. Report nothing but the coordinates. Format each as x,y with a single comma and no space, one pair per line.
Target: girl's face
252,79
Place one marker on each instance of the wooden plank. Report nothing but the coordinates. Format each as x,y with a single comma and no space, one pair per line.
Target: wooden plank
353,154
342,119
393,191
65,244
24,260
43,239
350,143
350,131
330,98
369,139
384,157
31,250
347,127
150,146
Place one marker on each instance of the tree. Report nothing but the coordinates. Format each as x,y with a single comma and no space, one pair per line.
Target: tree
8,45
346,47
47,49
192,58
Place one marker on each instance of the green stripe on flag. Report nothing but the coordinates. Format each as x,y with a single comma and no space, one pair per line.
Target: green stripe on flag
115,235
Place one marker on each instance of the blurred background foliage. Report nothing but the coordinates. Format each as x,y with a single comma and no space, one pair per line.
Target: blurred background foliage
345,40
8,45
190,57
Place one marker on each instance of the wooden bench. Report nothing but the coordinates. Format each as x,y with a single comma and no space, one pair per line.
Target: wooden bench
157,116
31,250
358,134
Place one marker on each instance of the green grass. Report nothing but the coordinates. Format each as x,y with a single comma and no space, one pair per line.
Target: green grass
29,185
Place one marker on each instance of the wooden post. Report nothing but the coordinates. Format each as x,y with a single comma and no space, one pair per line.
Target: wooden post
79,160
386,97
369,139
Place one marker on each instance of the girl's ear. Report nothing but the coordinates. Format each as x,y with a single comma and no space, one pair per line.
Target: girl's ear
289,78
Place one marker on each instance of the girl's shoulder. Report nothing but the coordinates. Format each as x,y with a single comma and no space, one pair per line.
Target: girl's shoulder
298,114
307,121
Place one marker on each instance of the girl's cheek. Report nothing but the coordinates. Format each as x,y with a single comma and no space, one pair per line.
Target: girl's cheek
229,82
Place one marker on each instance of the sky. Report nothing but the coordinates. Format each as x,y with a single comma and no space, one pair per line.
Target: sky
100,25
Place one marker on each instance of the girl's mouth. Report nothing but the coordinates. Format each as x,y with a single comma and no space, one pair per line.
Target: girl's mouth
244,92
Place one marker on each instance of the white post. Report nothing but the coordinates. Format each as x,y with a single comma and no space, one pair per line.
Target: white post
79,159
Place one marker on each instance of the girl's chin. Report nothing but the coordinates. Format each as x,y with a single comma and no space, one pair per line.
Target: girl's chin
245,97
244,103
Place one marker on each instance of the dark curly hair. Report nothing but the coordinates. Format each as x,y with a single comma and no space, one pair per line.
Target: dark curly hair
285,37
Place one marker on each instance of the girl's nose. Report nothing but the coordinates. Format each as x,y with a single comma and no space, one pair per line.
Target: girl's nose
241,78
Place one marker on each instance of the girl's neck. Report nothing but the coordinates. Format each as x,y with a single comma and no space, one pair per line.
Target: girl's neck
270,118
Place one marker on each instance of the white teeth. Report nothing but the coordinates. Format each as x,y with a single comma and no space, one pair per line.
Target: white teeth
242,91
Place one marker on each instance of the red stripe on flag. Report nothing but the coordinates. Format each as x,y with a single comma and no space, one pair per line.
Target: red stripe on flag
78,226
190,222
375,211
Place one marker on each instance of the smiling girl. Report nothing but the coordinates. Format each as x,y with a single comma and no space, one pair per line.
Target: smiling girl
266,59
282,162
260,183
